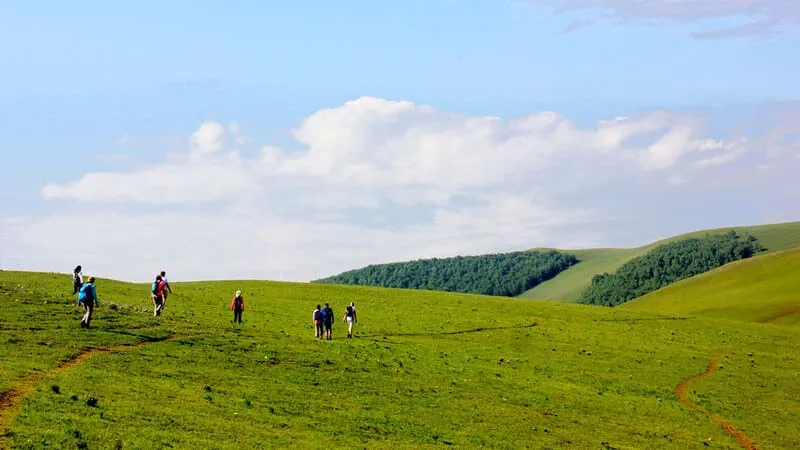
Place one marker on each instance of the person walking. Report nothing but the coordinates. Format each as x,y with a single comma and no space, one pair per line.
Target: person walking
327,317
157,294
351,318
77,279
317,318
167,288
237,306
87,297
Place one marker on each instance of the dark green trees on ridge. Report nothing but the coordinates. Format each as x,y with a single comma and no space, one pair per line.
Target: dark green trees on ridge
667,264
501,274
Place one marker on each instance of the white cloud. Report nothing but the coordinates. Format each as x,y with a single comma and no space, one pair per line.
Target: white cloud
401,151
375,181
207,139
752,18
234,244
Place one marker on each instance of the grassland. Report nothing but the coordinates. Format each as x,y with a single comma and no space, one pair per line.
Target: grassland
764,288
568,285
425,369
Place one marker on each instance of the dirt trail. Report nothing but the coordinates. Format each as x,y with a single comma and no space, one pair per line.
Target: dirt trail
790,310
443,333
11,401
680,391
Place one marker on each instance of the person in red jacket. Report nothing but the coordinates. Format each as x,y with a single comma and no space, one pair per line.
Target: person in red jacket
237,305
157,294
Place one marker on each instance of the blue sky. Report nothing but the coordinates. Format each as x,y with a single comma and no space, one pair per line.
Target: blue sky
399,157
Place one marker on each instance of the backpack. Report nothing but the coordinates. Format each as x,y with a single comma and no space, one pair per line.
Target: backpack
349,311
317,315
86,292
154,288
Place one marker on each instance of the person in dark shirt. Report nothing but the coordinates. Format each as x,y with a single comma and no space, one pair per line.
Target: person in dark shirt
327,317
237,306
77,279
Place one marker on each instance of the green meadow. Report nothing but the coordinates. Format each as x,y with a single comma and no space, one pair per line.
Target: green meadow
425,369
764,288
568,285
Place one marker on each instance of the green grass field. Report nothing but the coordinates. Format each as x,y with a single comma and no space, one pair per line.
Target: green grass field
764,288
426,369
568,285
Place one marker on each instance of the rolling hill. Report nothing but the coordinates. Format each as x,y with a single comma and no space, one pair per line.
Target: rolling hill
568,285
425,369
761,289
500,274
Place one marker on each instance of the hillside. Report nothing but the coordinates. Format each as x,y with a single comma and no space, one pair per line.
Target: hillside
569,284
666,264
761,289
425,369
502,274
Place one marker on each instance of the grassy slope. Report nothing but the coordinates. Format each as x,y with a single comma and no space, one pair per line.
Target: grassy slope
765,288
568,285
584,377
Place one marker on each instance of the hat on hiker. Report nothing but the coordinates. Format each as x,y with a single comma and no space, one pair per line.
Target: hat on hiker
238,293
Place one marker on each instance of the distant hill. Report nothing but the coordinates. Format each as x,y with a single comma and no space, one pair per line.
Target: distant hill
764,288
570,284
501,274
667,264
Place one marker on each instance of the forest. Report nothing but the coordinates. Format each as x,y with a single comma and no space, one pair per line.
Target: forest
667,264
500,274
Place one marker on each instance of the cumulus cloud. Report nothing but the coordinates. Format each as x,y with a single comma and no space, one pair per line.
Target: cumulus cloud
376,180
207,138
373,149
759,18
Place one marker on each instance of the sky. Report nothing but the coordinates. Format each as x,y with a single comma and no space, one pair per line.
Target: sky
296,140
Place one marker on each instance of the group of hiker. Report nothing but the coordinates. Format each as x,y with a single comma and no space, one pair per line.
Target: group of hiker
323,319
87,294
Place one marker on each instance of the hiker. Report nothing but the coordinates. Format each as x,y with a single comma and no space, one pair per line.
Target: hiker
327,318
157,294
350,317
77,279
237,305
318,331
88,298
167,288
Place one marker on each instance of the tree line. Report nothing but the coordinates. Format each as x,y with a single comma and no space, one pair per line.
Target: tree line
499,274
667,264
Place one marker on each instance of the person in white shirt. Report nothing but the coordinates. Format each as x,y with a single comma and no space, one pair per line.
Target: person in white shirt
351,318
167,288
317,318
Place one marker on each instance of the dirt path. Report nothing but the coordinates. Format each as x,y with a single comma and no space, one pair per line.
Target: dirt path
680,391
444,333
11,401
789,310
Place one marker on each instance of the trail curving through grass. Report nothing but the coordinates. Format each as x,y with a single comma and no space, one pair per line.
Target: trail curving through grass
446,333
11,401
680,392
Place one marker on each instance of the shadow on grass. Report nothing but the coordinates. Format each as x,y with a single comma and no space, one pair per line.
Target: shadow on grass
643,319
446,333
